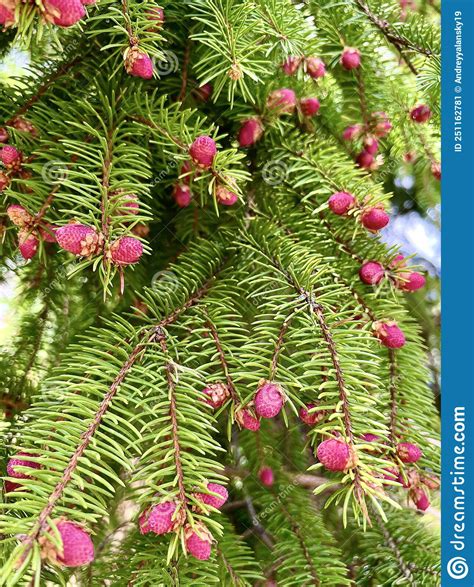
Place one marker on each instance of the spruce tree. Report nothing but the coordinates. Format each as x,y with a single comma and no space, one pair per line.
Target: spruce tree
219,372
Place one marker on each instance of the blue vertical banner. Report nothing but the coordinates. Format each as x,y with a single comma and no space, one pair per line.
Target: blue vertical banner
458,293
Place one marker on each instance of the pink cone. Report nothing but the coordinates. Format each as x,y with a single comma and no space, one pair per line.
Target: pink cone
19,215
374,218
7,16
77,546
352,132
283,101
315,67
4,181
159,520
309,106
389,334
334,454
436,170
341,202
420,499
143,526
20,460
350,58
128,204
156,15
27,244
78,239
408,453
189,171
203,151
10,156
420,114
268,400
250,132
371,145
225,196
266,476
216,501
311,418
391,474
64,13
182,195
48,233
140,65
371,273
412,281
198,541
216,394
11,486
204,92
398,261
290,66
370,437
247,420
126,250
365,160
382,125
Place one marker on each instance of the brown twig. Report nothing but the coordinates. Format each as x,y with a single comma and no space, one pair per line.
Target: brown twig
222,359
392,545
128,25
106,171
312,481
86,440
343,396
170,375
279,343
392,37
295,527
184,80
12,404
327,335
151,335
160,129
257,526
393,398
234,577
62,70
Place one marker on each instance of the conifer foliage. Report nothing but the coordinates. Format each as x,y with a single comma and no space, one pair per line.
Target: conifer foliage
217,373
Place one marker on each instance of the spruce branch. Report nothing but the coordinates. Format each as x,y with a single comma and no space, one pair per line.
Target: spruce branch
117,393
279,343
392,37
50,80
222,358
171,378
295,527
391,543
147,337
86,439
393,397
